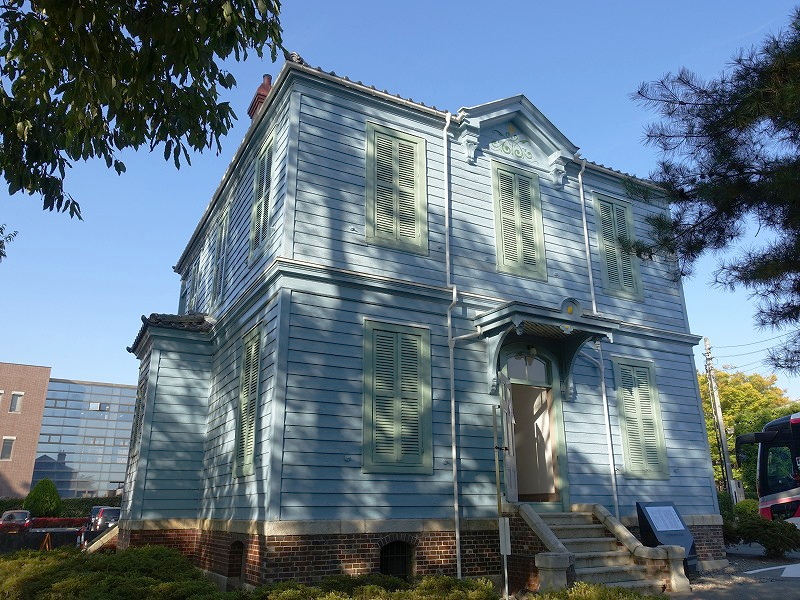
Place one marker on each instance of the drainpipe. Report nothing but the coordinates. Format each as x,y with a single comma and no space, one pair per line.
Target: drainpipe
451,342
586,235
607,416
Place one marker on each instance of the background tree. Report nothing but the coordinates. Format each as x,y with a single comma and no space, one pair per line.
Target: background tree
5,238
43,500
748,401
81,80
731,160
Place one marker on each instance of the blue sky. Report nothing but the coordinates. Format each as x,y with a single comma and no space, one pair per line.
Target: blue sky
73,292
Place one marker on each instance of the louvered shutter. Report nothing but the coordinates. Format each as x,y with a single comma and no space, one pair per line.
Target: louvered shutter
397,414
219,256
397,399
407,221
520,243
517,219
645,453
395,190
385,213
261,197
619,265
248,400
193,286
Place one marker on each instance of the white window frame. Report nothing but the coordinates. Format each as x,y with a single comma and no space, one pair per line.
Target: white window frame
19,396
13,439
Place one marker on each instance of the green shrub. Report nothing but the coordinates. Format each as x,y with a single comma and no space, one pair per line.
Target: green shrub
10,504
43,500
777,537
746,509
151,572
349,583
593,591
80,507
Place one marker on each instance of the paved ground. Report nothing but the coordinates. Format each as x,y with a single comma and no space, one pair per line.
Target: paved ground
738,581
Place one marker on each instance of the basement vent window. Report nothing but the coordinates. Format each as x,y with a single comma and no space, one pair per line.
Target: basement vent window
397,559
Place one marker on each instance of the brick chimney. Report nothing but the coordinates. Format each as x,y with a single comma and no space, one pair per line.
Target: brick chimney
261,95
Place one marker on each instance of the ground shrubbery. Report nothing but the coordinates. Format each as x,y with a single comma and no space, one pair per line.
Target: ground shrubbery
70,507
589,591
159,573
743,523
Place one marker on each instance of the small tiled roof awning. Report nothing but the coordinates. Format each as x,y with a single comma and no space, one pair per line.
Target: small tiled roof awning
196,322
548,323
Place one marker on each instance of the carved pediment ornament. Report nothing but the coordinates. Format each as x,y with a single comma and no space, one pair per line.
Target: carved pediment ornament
512,144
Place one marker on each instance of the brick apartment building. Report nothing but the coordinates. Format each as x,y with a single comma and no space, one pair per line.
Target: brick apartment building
23,389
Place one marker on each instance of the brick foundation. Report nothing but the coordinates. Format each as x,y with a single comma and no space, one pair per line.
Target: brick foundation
707,540
258,559
263,559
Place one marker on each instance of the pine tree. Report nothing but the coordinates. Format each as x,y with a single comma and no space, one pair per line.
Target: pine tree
730,150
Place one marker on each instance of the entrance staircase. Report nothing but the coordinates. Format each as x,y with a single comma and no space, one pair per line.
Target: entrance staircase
599,556
593,543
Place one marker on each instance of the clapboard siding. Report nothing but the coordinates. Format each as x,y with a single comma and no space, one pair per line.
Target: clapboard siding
240,497
311,306
175,429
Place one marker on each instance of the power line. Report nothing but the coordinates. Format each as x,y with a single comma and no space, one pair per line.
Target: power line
758,342
758,362
743,353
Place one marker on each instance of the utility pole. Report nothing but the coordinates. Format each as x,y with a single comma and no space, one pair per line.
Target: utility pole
713,391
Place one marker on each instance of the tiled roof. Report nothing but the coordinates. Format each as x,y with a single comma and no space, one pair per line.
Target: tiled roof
196,322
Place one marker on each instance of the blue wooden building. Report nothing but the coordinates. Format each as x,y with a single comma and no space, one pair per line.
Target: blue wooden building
376,288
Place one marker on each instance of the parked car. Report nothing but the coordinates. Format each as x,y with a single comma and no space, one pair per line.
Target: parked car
15,521
91,523
107,517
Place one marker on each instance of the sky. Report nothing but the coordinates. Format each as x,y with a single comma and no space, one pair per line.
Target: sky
73,292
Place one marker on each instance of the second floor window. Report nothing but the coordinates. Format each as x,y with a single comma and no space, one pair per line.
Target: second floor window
397,207
518,222
620,268
262,192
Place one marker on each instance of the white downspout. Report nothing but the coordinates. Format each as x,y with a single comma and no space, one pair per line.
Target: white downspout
451,342
586,235
607,416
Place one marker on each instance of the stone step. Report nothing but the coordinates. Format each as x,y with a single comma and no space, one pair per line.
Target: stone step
593,544
585,560
564,532
612,575
567,518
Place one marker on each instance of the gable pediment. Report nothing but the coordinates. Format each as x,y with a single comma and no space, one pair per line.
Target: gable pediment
515,129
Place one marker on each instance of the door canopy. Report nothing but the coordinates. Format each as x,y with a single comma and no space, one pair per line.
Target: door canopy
564,331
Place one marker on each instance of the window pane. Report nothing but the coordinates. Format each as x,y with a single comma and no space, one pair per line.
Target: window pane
5,452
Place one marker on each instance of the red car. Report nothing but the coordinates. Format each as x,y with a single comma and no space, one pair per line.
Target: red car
15,521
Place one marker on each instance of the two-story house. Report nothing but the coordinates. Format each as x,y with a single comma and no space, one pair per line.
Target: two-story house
382,303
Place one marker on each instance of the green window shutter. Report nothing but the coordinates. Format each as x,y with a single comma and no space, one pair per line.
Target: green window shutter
620,272
396,190
261,198
220,246
518,222
397,398
640,421
193,287
248,404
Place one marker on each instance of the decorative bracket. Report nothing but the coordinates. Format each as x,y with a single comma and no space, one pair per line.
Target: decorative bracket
558,168
468,138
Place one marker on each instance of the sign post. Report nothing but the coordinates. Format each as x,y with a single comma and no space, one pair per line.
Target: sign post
661,525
